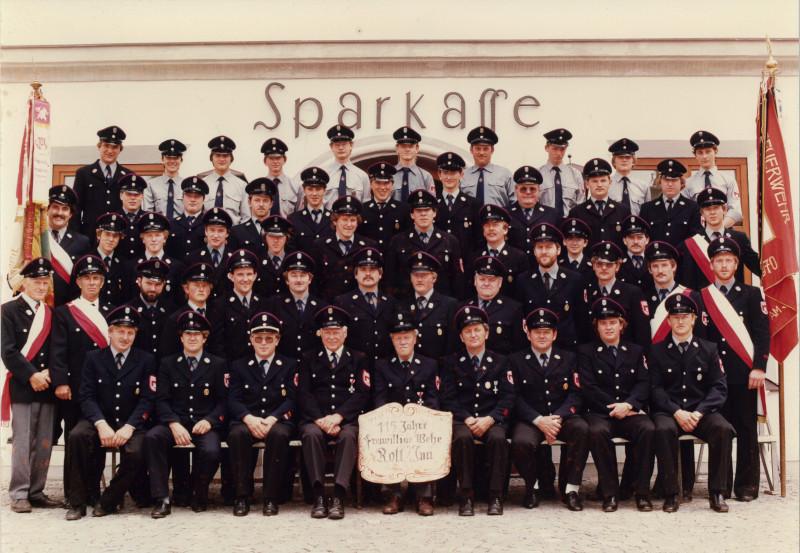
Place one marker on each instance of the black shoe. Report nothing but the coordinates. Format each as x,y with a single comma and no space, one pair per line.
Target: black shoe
162,509
200,504
319,510
270,508
76,512
643,503
467,508
181,500
670,503
531,499
573,501
241,507
336,512
610,504
746,497
717,502
625,493
495,506
548,492
687,495
44,502
228,501
100,511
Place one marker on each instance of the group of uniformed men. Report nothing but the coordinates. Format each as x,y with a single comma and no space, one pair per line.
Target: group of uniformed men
538,306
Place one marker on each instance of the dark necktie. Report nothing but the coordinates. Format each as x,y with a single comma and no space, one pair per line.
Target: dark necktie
36,308
170,199
381,206
202,311
449,201
276,201
315,215
190,219
131,217
347,244
708,179
547,281
626,195
152,310
480,196
601,205
559,202
604,291
264,366
118,359
424,237
373,301
215,257
483,304
683,346
300,307
152,257
669,205
404,189
574,264
716,234
528,213
663,294
724,290
218,197
334,360
405,365
276,261
613,350
476,363
108,175
493,252
422,302
343,182
107,261
192,363
543,360
637,261
245,303
56,237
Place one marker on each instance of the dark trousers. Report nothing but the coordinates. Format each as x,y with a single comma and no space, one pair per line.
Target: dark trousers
315,442
276,459
463,452
159,442
526,440
85,453
422,489
68,411
639,429
741,410
712,429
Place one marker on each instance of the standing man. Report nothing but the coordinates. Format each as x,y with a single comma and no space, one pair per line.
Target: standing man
485,181
163,194
333,389
704,147
562,184
547,407
28,391
116,393
739,324
288,195
96,185
151,306
262,404
672,217
688,389
527,211
153,231
635,236
383,215
217,226
66,246
349,180
409,176
109,231
131,192
478,388
226,186
456,212
624,188
313,221
186,229
576,255
250,234
603,215
277,235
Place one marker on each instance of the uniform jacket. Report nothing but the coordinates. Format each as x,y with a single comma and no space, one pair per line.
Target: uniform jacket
299,333
605,227
515,261
368,331
605,379
382,224
246,235
233,323
631,299
148,336
419,384
441,245
17,318
76,245
202,255
692,276
306,231
172,287
462,221
520,228
563,299
185,237
113,286
542,392
334,274
95,197
640,278
253,393
435,337
188,397
682,222
505,324
487,392
270,280
130,246
170,340
345,389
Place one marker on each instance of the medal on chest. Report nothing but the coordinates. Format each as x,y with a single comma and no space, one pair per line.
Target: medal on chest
352,388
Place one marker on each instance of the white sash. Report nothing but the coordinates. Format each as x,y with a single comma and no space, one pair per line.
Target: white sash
698,249
37,326
60,259
660,317
729,323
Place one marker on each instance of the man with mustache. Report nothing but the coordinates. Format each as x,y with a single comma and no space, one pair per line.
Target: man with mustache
66,246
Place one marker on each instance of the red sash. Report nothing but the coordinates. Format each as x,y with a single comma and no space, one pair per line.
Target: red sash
697,247
728,323
88,326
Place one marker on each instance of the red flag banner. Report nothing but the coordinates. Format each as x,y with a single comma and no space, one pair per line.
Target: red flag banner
776,230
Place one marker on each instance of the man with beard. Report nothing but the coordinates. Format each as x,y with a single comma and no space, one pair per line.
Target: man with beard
153,232
151,306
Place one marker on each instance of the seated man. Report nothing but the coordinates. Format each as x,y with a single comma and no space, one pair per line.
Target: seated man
478,388
333,390
403,378
261,402
688,388
186,415
117,392
547,407
615,387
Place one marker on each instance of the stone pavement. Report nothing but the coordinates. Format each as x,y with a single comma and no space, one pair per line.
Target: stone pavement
769,524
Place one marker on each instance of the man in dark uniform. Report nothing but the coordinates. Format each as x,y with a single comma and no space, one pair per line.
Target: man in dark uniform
96,185
688,389
262,407
151,306
28,391
456,212
333,253
333,390
434,311
603,215
370,310
616,386
297,307
633,269
575,255
277,235
187,232
673,217
226,185
109,231
162,194
478,388
117,392
548,407
695,272
405,377
409,176
153,231
739,324
250,234
66,246
426,237
606,260
215,251
190,407
527,211
131,193
313,221
551,285
78,327
495,224
485,181
505,314
236,308
383,215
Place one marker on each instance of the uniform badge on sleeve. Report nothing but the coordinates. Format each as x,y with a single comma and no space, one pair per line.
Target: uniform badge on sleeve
721,367
645,308
365,378
296,376
152,383
704,318
576,380
227,380
764,308
510,377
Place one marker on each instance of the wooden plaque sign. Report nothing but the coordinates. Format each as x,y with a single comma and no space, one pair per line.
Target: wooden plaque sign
410,442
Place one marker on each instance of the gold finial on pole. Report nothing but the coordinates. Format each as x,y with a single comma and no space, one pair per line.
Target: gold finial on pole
771,64
36,85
